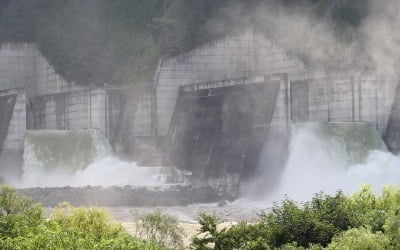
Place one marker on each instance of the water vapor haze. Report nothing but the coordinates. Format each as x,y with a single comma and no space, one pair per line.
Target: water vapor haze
363,36
104,172
316,164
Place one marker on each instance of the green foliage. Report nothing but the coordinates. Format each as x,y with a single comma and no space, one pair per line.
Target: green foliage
22,226
295,246
160,228
360,239
392,230
18,214
90,223
240,236
361,221
314,222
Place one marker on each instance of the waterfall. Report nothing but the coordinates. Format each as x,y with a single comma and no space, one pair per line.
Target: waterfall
332,156
83,157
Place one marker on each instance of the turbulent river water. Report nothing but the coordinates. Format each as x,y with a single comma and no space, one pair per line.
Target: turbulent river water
82,158
322,157
335,156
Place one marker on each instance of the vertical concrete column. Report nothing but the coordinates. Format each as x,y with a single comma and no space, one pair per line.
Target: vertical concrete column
96,110
352,82
281,115
286,84
11,155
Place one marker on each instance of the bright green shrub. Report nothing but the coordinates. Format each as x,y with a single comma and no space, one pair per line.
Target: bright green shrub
290,222
22,226
333,210
312,225
160,228
392,230
92,222
291,246
241,236
360,239
314,222
295,246
18,214
366,207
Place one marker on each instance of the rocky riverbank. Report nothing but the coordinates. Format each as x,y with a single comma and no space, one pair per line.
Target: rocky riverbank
175,195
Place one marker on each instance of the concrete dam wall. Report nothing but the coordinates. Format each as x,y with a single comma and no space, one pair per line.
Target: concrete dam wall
234,57
34,96
392,135
220,130
212,111
251,55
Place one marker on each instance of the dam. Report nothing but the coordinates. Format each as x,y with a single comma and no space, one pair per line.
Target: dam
213,112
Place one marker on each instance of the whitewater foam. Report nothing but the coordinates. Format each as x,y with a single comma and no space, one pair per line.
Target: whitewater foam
83,157
105,172
70,150
318,163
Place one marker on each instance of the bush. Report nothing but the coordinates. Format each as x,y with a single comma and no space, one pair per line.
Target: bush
295,246
312,225
90,223
18,214
360,239
241,236
314,222
160,228
23,226
392,230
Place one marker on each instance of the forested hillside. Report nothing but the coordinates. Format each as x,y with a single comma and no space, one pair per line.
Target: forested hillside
120,41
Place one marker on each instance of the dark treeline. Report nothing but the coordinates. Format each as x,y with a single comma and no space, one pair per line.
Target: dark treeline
97,41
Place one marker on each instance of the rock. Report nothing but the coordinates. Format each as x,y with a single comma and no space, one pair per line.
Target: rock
222,203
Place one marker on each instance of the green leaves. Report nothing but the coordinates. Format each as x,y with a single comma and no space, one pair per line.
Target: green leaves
160,228
239,236
362,221
360,239
23,226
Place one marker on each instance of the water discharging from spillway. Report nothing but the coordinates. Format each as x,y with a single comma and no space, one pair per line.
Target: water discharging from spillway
332,156
82,158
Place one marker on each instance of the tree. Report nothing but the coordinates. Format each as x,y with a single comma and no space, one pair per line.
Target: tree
360,239
160,228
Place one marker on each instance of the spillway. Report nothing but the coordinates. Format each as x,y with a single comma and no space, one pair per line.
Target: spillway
67,150
349,141
78,166
81,158
335,156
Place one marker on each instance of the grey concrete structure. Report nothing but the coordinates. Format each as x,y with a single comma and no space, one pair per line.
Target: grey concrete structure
343,96
242,56
12,130
70,110
370,94
177,108
392,135
219,128
143,122
17,66
34,96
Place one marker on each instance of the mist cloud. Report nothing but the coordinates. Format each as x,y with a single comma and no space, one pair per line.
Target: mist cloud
321,39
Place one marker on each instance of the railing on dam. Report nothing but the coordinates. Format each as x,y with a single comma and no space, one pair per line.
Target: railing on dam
222,83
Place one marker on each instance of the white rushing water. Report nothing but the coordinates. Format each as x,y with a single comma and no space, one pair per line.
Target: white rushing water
105,172
83,158
323,163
